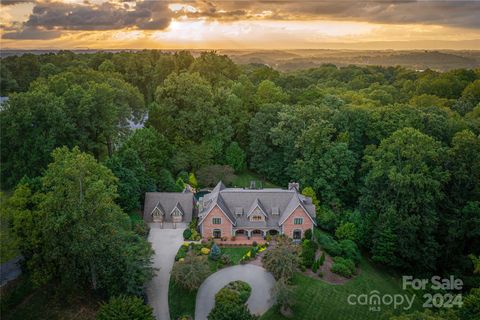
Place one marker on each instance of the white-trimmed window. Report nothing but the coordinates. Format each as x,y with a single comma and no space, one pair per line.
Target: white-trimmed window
216,220
297,220
256,217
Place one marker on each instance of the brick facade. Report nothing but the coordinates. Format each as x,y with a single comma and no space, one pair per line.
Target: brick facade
208,227
289,227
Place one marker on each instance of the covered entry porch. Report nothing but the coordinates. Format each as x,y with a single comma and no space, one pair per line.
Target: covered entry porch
253,233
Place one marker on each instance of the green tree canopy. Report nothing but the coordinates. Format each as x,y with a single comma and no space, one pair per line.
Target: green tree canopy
235,157
73,232
403,187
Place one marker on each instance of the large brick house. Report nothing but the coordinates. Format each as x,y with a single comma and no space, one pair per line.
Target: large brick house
250,213
235,212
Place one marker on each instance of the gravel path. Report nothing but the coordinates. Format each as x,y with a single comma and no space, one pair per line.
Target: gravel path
166,243
258,278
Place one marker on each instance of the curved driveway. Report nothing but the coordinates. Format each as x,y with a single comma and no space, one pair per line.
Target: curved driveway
258,278
166,243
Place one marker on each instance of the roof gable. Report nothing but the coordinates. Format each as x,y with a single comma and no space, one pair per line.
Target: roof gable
159,208
257,204
224,213
177,210
294,203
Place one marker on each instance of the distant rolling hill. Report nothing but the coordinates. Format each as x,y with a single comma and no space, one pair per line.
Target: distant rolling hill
290,60
301,59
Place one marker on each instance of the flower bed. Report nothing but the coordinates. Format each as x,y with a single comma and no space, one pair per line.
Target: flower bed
252,253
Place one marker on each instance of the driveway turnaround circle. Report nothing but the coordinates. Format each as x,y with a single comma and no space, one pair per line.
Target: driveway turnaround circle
258,278
166,243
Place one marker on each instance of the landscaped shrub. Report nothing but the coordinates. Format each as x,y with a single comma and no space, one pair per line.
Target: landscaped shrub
329,244
225,259
125,308
350,251
309,248
254,252
322,259
230,311
243,290
254,243
315,265
308,234
230,302
215,253
205,251
326,219
347,231
343,267
195,236
191,272
283,260
187,233
182,252
284,296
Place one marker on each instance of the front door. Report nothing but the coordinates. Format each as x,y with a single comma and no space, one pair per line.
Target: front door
217,234
297,234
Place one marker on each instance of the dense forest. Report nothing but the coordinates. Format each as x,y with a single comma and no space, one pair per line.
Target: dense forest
391,152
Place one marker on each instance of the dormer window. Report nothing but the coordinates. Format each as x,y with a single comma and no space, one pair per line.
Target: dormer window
238,211
157,215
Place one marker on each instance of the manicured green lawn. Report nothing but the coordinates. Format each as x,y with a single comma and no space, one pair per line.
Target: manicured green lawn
182,302
316,299
243,180
236,253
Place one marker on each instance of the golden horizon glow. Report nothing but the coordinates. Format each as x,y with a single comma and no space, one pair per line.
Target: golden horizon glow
260,30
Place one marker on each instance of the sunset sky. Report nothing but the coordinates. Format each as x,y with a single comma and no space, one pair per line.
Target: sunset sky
114,24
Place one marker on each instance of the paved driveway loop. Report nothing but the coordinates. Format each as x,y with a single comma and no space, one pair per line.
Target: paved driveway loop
166,243
258,278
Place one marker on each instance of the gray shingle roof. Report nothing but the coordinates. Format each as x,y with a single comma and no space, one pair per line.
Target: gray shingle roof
166,202
230,199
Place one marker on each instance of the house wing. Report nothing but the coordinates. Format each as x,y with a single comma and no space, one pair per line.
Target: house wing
220,203
294,203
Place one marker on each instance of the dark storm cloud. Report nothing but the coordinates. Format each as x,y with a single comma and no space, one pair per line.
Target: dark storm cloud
456,13
32,34
13,2
49,16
